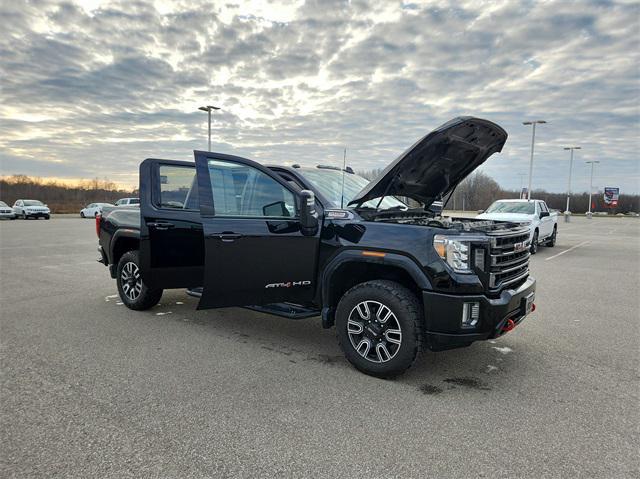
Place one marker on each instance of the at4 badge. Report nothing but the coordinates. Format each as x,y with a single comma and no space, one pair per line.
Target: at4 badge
288,284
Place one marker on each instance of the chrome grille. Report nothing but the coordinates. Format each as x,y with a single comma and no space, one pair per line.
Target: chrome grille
509,259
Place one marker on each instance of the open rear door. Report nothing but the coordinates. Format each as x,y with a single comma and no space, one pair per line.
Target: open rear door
171,240
255,252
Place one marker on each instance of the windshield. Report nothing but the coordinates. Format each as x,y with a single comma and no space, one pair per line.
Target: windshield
527,208
32,203
329,183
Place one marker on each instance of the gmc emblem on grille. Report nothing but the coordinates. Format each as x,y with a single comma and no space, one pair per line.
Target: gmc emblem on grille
517,247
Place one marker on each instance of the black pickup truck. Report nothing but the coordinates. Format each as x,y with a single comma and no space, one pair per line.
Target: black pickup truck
301,242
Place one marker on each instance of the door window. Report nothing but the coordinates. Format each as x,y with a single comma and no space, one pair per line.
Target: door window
543,207
178,187
242,190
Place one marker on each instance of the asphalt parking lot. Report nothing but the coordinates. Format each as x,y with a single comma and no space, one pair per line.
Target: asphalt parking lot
92,389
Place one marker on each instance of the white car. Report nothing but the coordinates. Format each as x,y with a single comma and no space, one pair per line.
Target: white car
543,224
128,202
92,210
6,212
26,209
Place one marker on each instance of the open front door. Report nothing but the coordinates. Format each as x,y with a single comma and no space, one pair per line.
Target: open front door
171,240
255,252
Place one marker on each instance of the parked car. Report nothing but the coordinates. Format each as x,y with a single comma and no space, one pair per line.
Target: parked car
128,202
295,243
26,209
543,223
92,210
6,212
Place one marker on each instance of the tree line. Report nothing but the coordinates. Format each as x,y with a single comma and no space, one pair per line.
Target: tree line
475,193
60,197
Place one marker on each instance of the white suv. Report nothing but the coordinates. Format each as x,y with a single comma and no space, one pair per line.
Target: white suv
6,211
26,209
128,202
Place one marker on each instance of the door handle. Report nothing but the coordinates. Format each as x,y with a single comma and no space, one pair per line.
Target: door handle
225,237
161,225
229,237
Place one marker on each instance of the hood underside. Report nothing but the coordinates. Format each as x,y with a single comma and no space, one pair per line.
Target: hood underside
435,164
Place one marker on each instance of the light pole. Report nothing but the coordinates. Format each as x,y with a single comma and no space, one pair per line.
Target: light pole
521,175
533,139
208,109
567,213
589,214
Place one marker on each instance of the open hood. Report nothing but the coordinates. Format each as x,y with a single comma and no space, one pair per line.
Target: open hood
435,164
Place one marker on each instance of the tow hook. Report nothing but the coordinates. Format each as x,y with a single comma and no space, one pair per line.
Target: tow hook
509,326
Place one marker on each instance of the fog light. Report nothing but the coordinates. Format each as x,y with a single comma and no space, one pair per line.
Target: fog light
470,314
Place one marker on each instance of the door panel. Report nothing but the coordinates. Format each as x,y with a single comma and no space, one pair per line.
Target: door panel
254,251
171,235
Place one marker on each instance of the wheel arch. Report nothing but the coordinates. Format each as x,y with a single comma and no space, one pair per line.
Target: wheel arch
122,242
353,267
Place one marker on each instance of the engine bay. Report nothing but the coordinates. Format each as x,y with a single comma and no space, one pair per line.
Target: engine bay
420,217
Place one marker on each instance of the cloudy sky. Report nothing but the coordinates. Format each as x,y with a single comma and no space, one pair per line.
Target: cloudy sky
90,88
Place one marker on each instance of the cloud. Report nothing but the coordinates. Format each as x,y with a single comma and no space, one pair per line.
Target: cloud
92,88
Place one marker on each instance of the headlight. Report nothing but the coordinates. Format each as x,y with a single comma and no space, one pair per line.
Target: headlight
454,252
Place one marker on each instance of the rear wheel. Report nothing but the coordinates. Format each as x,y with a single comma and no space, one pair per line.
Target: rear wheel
534,243
379,327
134,293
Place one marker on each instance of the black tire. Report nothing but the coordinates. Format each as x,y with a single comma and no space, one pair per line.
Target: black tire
406,316
534,243
132,290
95,215
47,217
551,242
81,214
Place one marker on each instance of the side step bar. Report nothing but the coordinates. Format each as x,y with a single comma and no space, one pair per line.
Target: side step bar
285,310
195,292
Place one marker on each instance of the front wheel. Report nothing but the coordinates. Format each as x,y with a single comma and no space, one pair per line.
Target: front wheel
379,327
82,214
134,293
552,240
534,243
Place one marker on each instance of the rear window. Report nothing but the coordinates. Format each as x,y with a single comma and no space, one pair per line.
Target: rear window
134,201
177,187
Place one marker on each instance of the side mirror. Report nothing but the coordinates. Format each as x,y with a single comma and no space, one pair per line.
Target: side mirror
308,213
544,214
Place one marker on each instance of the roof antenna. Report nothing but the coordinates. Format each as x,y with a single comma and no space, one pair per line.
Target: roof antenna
344,168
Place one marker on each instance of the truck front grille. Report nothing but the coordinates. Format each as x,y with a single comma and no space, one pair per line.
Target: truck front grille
509,259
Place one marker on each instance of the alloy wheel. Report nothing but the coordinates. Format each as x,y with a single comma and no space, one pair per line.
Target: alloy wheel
374,331
131,280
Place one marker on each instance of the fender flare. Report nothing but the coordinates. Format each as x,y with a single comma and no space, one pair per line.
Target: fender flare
406,263
121,233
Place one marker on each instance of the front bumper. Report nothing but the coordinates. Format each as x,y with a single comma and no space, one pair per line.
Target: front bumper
443,313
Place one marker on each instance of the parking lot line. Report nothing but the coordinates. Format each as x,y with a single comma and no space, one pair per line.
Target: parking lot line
567,250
